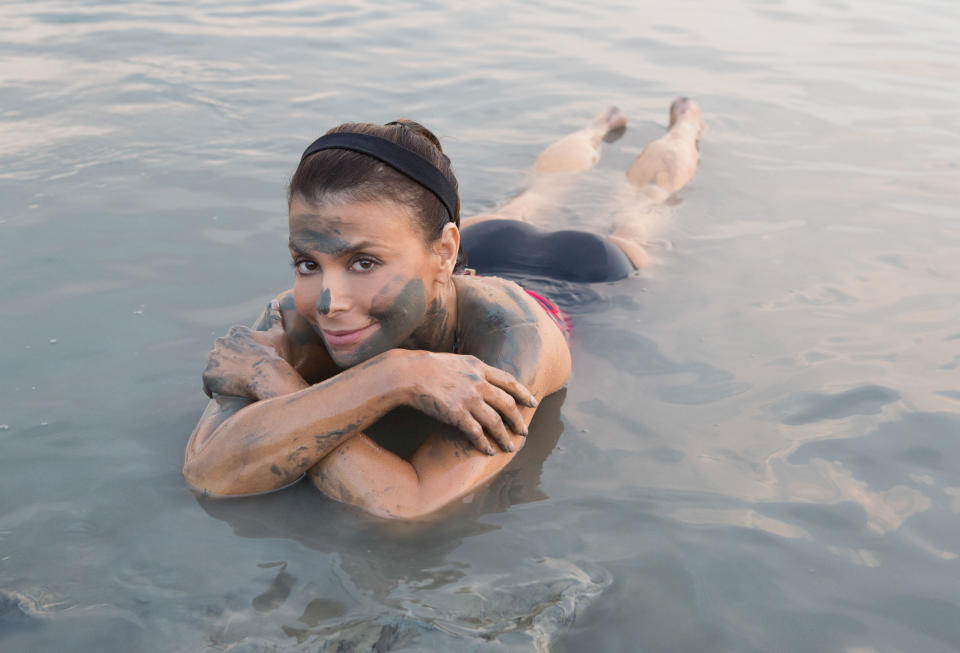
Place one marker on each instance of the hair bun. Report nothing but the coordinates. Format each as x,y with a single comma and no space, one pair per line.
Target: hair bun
417,129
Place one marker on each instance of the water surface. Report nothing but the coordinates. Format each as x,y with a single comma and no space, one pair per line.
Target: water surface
759,448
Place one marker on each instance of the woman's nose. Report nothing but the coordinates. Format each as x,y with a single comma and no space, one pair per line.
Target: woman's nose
332,300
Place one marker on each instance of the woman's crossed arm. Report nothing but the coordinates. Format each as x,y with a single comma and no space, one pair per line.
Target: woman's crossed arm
445,467
251,445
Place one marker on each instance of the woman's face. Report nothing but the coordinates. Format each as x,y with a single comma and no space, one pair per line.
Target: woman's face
364,275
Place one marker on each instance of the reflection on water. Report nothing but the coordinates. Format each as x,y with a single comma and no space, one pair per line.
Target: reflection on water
406,582
757,450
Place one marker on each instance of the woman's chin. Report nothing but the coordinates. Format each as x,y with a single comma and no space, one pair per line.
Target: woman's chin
347,359
355,350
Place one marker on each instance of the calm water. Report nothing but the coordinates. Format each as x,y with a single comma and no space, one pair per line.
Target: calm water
759,448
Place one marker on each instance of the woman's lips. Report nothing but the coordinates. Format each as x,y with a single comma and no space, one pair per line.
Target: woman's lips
341,337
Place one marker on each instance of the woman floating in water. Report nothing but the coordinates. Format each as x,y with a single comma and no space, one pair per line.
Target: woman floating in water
380,318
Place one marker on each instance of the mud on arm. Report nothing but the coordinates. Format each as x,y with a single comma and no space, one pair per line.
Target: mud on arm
446,466
265,425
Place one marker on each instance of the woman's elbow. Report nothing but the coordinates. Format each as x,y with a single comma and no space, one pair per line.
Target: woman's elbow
203,481
197,479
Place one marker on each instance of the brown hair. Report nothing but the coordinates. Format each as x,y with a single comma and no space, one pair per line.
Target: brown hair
353,176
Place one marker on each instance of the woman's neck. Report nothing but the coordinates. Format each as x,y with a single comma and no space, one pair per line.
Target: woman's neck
438,331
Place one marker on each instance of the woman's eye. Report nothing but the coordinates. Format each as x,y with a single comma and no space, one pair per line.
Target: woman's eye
363,264
304,266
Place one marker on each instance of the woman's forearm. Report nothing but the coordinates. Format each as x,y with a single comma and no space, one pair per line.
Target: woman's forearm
275,380
270,443
365,475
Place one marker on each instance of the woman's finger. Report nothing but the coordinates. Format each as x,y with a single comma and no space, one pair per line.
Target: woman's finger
474,432
493,425
271,334
270,318
508,382
265,338
506,405
275,315
207,376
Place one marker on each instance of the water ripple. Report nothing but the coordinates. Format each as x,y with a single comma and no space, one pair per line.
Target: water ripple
807,408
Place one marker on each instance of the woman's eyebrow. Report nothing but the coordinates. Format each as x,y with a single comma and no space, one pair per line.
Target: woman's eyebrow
341,248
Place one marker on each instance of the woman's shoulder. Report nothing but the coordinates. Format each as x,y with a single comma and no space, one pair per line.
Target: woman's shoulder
303,348
493,305
505,327
494,302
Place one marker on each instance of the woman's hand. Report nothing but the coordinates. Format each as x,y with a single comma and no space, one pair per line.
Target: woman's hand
236,360
465,392
248,363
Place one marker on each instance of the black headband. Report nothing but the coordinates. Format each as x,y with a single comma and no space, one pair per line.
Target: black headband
399,158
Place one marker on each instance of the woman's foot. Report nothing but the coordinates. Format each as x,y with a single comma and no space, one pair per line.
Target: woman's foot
610,119
580,151
685,110
669,162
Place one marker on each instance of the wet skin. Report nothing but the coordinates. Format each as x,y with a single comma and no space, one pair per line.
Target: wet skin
501,325
350,278
353,347
323,304
396,314
355,339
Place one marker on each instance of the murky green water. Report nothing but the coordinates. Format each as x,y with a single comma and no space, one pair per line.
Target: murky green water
759,449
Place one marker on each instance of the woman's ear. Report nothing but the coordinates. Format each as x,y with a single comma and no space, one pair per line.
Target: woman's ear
446,248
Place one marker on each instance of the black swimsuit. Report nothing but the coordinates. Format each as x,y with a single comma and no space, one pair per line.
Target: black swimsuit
509,246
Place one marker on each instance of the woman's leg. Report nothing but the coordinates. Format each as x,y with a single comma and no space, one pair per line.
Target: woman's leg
579,151
664,167
669,162
576,152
